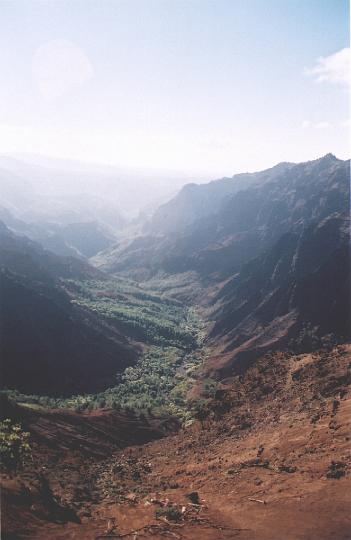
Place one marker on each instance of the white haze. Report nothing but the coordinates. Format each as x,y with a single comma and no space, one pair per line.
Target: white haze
37,189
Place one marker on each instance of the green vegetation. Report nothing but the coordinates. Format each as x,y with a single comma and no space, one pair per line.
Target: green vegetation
147,316
172,335
14,445
157,384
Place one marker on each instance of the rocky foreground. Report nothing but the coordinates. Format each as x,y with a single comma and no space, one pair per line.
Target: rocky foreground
269,458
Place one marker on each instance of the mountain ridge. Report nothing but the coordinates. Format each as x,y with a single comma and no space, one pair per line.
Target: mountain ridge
290,223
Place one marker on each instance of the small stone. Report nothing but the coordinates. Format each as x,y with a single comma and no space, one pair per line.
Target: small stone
131,497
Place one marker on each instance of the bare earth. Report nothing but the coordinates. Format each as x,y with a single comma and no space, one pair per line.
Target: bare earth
271,460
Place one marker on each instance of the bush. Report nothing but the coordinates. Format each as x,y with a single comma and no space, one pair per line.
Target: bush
209,388
14,445
201,410
171,513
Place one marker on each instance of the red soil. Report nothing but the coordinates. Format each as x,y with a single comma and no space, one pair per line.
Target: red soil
270,461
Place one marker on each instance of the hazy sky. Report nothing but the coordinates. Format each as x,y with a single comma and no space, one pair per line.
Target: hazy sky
206,87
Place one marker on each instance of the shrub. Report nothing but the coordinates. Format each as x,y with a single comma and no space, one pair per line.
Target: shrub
171,513
201,410
14,445
209,388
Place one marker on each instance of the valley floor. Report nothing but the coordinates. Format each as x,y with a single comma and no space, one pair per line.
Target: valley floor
269,459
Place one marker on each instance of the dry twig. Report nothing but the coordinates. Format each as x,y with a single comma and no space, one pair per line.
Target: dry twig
257,500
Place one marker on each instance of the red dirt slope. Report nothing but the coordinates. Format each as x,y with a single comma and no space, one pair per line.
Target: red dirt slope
270,461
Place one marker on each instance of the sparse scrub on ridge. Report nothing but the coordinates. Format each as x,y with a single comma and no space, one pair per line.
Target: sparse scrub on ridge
309,340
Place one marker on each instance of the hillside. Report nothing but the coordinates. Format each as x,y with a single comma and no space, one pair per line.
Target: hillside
195,202
80,240
49,345
300,287
269,257
67,328
269,460
175,270
265,255
244,224
194,382
23,256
